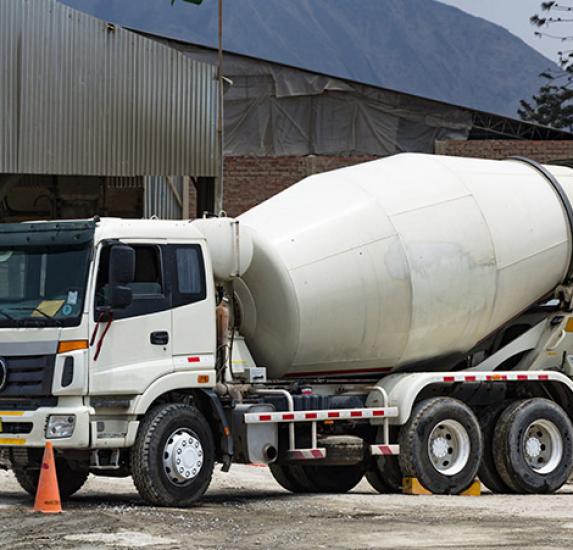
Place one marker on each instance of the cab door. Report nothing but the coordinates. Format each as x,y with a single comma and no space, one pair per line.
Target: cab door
136,348
193,313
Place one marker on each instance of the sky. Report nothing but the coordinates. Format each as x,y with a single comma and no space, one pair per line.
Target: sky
514,16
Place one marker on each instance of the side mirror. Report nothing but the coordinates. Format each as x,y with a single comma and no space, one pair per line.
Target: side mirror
121,264
119,297
121,273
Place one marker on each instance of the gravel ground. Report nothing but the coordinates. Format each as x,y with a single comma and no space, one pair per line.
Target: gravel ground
247,509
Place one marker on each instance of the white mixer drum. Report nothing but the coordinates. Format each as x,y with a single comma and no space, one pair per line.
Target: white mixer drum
384,264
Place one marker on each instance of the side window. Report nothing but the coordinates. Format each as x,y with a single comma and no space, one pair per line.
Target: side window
148,280
148,289
189,277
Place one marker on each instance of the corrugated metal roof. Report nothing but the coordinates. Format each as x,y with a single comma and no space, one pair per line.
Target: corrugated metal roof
79,96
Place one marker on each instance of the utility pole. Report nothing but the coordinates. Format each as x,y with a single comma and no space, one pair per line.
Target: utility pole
218,202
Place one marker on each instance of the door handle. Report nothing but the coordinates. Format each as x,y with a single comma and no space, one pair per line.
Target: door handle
159,338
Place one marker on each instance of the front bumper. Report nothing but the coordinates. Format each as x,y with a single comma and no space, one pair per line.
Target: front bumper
32,427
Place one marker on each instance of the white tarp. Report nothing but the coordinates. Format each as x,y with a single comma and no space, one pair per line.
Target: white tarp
272,110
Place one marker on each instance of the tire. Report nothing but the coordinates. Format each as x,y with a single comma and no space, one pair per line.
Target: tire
384,473
69,481
487,472
333,479
317,479
532,446
450,428
167,433
288,478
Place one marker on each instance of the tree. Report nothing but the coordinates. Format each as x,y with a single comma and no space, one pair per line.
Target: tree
553,105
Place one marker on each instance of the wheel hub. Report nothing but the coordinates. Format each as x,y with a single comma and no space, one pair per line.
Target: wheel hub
533,447
440,447
183,456
542,446
449,447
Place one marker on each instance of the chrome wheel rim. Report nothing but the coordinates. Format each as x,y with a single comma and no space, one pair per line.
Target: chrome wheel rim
183,456
542,446
449,447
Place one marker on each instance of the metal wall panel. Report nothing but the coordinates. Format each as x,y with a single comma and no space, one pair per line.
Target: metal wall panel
78,96
161,198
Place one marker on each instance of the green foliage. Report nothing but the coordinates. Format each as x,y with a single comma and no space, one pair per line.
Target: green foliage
553,105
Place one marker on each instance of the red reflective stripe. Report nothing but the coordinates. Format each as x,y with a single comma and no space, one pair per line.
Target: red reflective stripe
385,450
264,417
449,378
310,415
316,453
470,378
522,376
543,377
377,413
333,414
288,416
355,413
193,359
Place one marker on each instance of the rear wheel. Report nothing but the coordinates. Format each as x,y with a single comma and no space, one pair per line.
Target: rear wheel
297,478
487,472
533,446
173,456
289,478
384,473
441,445
334,479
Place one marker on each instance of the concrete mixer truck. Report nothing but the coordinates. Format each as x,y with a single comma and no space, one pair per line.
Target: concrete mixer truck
410,317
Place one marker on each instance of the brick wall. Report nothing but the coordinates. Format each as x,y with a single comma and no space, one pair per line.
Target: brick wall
541,151
251,180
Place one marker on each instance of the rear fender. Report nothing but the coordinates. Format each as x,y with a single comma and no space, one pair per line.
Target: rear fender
403,390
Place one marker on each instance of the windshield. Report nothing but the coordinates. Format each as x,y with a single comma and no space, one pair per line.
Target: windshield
42,285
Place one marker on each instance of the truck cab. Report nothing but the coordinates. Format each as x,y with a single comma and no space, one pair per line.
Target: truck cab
98,318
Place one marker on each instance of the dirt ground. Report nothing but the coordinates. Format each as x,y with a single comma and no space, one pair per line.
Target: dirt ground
247,509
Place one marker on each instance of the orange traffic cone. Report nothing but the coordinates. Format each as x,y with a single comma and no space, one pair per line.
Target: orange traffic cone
48,493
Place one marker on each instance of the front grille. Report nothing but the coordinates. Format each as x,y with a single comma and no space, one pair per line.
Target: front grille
28,376
25,404
16,427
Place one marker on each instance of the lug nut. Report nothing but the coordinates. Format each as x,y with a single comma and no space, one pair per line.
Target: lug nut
178,461
178,451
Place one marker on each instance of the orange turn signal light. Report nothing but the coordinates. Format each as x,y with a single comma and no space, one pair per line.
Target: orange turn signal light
72,345
569,325
203,379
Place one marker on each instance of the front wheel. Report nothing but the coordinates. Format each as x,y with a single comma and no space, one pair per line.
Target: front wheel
441,445
533,446
173,457
27,472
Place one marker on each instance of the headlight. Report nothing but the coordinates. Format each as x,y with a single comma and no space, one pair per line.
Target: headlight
60,426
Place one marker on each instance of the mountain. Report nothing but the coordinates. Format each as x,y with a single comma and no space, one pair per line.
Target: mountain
421,47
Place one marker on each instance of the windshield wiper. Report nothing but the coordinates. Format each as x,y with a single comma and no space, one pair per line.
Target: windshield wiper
43,313
5,315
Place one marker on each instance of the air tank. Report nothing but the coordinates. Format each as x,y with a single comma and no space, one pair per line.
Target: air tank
398,261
